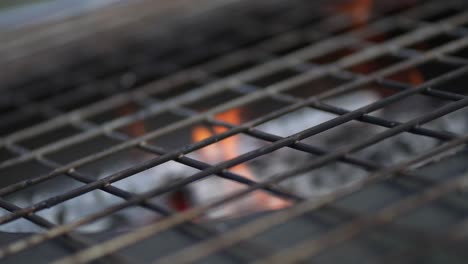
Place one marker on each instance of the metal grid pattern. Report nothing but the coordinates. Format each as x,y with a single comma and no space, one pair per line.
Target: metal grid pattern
295,54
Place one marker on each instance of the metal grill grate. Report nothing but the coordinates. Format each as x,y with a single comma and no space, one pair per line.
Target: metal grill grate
59,130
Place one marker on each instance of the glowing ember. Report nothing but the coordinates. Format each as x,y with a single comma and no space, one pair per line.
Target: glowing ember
135,129
359,10
415,77
180,200
229,149
412,76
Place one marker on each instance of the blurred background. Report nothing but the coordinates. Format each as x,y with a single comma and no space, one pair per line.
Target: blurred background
18,13
59,31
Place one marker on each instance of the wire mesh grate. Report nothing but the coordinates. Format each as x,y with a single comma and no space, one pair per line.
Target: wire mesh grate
293,137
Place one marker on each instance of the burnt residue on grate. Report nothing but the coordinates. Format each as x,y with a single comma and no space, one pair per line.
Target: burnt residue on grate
279,137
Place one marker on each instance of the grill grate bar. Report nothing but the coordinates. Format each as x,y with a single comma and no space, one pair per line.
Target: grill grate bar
455,234
263,224
200,232
430,92
188,230
272,138
74,115
316,163
241,53
367,165
202,166
147,231
208,74
71,240
384,216
441,135
248,156
61,144
151,206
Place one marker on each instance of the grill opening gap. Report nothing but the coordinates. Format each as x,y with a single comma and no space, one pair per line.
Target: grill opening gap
122,110
462,53
140,127
315,183
316,86
361,96
335,55
49,137
21,122
83,149
290,46
398,148
176,90
432,42
116,162
454,122
387,35
81,101
417,75
274,77
5,154
254,110
375,64
213,100
20,172
233,68
437,16
455,85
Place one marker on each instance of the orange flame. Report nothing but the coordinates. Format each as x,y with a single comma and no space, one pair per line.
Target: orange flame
228,149
359,10
179,200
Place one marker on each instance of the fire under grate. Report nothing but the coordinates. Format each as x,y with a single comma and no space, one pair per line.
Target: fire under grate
299,135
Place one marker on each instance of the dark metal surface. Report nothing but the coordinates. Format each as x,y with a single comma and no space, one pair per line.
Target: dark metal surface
244,58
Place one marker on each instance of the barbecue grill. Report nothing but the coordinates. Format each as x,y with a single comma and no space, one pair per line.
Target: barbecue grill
267,132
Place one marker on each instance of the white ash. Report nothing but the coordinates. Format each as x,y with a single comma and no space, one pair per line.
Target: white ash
398,148
94,201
